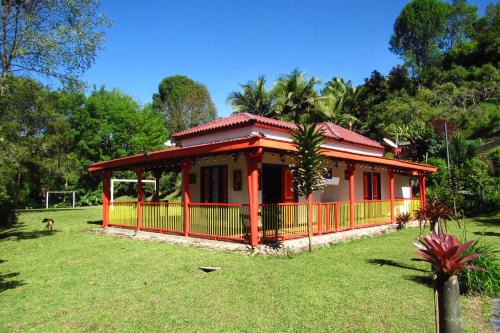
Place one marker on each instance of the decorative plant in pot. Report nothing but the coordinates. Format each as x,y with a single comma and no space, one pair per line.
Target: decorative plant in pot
448,257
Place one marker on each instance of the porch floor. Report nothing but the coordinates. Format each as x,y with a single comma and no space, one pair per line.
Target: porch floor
287,246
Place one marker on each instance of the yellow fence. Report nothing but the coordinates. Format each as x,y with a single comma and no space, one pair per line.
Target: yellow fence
219,220
372,212
276,221
123,214
164,216
406,206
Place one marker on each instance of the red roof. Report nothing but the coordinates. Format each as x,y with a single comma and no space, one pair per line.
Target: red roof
330,130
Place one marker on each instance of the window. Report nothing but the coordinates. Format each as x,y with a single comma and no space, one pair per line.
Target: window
371,186
214,184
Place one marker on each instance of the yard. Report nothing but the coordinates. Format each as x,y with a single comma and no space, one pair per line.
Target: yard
76,280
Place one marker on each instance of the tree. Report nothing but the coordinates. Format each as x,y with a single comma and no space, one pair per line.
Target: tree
183,103
334,97
111,125
295,96
49,38
460,23
254,98
418,33
307,171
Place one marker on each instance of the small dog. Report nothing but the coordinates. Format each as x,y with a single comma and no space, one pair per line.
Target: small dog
49,225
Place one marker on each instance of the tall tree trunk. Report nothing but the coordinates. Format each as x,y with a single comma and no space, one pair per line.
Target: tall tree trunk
448,292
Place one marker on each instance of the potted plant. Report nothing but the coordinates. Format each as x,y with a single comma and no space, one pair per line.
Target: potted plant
448,257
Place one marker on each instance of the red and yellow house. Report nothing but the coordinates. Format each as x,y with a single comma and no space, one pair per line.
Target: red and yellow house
237,183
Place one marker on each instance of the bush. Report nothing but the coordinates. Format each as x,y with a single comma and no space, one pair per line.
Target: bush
91,198
485,282
402,219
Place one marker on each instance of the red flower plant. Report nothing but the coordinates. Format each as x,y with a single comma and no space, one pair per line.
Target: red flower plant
446,253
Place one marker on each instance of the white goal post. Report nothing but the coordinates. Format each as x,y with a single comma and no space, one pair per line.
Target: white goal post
47,197
113,180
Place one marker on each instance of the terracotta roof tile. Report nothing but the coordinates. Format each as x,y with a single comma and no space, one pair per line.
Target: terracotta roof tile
330,130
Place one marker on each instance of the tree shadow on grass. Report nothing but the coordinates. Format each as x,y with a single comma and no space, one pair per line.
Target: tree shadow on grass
97,222
487,221
6,281
487,233
425,280
384,262
17,233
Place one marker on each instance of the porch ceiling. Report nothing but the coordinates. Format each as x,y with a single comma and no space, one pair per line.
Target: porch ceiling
234,145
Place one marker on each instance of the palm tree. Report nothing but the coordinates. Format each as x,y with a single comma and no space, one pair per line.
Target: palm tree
295,96
307,171
254,98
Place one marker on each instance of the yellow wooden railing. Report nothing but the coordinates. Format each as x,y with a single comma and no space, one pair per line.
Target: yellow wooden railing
165,216
276,221
230,221
372,212
123,214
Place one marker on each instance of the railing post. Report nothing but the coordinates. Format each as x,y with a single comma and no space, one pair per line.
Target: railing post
139,172
252,159
391,192
422,191
106,192
350,170
186,199
336,216
327,217
309,216
319,218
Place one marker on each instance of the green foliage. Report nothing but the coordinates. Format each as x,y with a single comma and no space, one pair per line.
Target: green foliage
296,96
183,103
418,33
254,98
487,280
307,171
50,38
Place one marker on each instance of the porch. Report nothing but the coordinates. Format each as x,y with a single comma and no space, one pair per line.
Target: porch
276,222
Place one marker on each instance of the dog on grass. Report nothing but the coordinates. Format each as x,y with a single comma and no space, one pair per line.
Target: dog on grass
49,224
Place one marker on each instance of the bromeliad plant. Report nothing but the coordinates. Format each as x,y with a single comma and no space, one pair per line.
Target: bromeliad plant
307,171
448,257
437,214
402,220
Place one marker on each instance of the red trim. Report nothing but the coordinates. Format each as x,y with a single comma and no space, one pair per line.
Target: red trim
106,195
336,216
350,170
246,143
139,172
186,166
391,192
253,193
327,217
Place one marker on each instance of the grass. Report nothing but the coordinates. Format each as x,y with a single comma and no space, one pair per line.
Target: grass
76,280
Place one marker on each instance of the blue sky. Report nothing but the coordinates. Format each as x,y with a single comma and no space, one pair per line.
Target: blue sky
223,43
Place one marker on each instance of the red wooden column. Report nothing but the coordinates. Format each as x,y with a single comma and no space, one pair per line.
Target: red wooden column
106,195
253,158
391,192
350,172
422,191
186,198
138,173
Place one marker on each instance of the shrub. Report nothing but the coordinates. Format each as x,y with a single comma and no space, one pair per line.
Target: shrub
402,219
486,281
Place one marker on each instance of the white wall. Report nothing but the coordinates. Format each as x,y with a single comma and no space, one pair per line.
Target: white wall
330,193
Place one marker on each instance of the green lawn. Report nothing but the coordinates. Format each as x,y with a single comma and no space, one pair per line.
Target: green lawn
76,280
